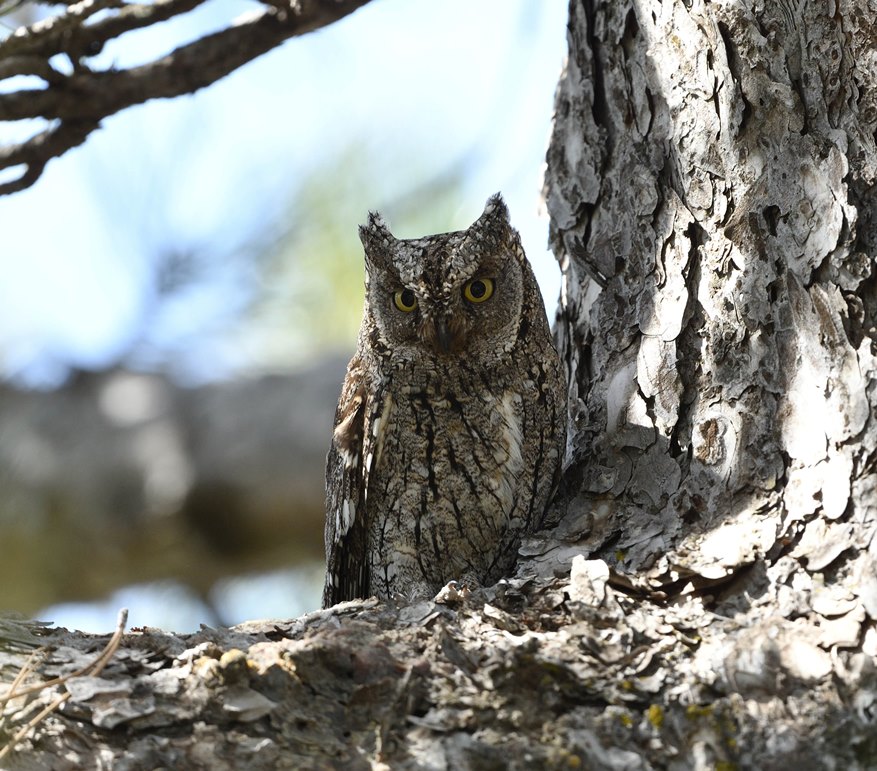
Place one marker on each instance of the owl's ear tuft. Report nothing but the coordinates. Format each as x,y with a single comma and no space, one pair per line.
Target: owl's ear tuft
375,235
494,218
495,208
491,228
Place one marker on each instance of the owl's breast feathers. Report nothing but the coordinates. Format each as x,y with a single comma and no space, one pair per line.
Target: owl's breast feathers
483,463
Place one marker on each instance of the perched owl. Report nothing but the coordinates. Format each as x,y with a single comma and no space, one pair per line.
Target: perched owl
451,427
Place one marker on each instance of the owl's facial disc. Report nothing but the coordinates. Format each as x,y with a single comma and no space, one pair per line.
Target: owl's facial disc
454,313
447,296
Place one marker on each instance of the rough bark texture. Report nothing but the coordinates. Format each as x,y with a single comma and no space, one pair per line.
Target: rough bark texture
711,187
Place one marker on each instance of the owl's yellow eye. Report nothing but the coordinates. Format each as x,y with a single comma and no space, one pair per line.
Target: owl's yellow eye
405,300
478,290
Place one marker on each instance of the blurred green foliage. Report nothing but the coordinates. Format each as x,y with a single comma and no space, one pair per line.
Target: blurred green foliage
312,289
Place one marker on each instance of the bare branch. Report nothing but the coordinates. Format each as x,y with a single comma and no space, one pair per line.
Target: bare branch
80,101
37,151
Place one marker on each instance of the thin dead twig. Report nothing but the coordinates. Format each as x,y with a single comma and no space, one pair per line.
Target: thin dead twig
94,669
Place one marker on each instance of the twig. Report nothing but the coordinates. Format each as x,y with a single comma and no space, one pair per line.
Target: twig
37,151
94,668
45,36
19,678
81,100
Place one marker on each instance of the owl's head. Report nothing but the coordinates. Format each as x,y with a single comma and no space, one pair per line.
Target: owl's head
450,294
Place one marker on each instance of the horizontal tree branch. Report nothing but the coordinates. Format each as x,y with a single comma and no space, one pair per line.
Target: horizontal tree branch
55,34
79,101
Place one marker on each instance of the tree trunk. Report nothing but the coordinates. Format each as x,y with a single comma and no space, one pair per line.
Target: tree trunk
711,189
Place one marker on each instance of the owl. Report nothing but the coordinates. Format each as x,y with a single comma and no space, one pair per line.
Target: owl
451,427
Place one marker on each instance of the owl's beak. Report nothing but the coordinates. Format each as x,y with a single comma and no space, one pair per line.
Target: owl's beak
443,335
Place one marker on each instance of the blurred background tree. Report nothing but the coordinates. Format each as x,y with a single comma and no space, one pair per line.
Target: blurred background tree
181,294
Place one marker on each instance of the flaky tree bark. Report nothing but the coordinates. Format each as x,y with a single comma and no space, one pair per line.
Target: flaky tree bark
711,189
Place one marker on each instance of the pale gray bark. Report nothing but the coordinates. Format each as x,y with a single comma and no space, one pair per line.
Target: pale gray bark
711,188
710,183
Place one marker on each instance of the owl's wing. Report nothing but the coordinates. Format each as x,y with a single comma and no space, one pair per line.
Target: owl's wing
346,526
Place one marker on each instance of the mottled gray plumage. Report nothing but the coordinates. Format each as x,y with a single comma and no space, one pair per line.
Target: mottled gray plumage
451,427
